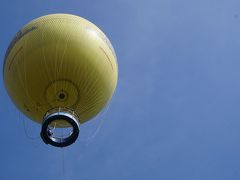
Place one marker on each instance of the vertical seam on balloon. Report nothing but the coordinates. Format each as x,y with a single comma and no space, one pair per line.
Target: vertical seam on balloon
44,58
61,59
56,58
106,56
24,50
12,60
25,74
22,83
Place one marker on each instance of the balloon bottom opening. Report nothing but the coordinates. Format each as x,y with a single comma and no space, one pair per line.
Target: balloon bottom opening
60,128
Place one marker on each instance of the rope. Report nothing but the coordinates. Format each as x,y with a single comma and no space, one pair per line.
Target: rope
63,164
89,139
25,128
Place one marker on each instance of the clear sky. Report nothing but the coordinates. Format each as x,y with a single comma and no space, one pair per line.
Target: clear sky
176,112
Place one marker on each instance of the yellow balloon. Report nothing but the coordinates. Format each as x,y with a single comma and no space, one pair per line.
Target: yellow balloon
60,61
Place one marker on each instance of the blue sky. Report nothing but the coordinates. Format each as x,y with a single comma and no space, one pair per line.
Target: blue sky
175,114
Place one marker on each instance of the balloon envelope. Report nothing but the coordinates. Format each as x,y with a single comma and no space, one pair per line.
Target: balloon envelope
60,61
